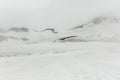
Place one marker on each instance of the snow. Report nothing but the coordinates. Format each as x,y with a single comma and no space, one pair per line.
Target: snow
59,40
94,53
63,61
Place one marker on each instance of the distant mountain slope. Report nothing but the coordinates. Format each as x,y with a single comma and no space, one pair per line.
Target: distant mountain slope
102,28
99,21
27,35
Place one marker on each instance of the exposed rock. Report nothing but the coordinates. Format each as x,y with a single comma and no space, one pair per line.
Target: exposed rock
68,37
24,39
50,29
19,29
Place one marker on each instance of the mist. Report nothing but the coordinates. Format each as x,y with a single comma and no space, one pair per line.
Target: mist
54,13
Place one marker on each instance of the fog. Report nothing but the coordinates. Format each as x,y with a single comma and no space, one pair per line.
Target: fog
54,13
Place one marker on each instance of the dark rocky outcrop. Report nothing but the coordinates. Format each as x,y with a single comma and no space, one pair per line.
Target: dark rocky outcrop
19,29
50,29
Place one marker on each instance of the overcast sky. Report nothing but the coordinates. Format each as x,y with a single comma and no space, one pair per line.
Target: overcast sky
56,13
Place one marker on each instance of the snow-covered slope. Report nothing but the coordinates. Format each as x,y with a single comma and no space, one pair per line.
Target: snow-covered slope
27,54
82,61
99,29
103,28
23,35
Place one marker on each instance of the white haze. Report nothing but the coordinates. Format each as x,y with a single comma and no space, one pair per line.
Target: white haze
53,13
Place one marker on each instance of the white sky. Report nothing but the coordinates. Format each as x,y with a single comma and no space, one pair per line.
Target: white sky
53,13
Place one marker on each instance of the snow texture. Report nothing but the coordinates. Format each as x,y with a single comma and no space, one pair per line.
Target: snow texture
90,51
